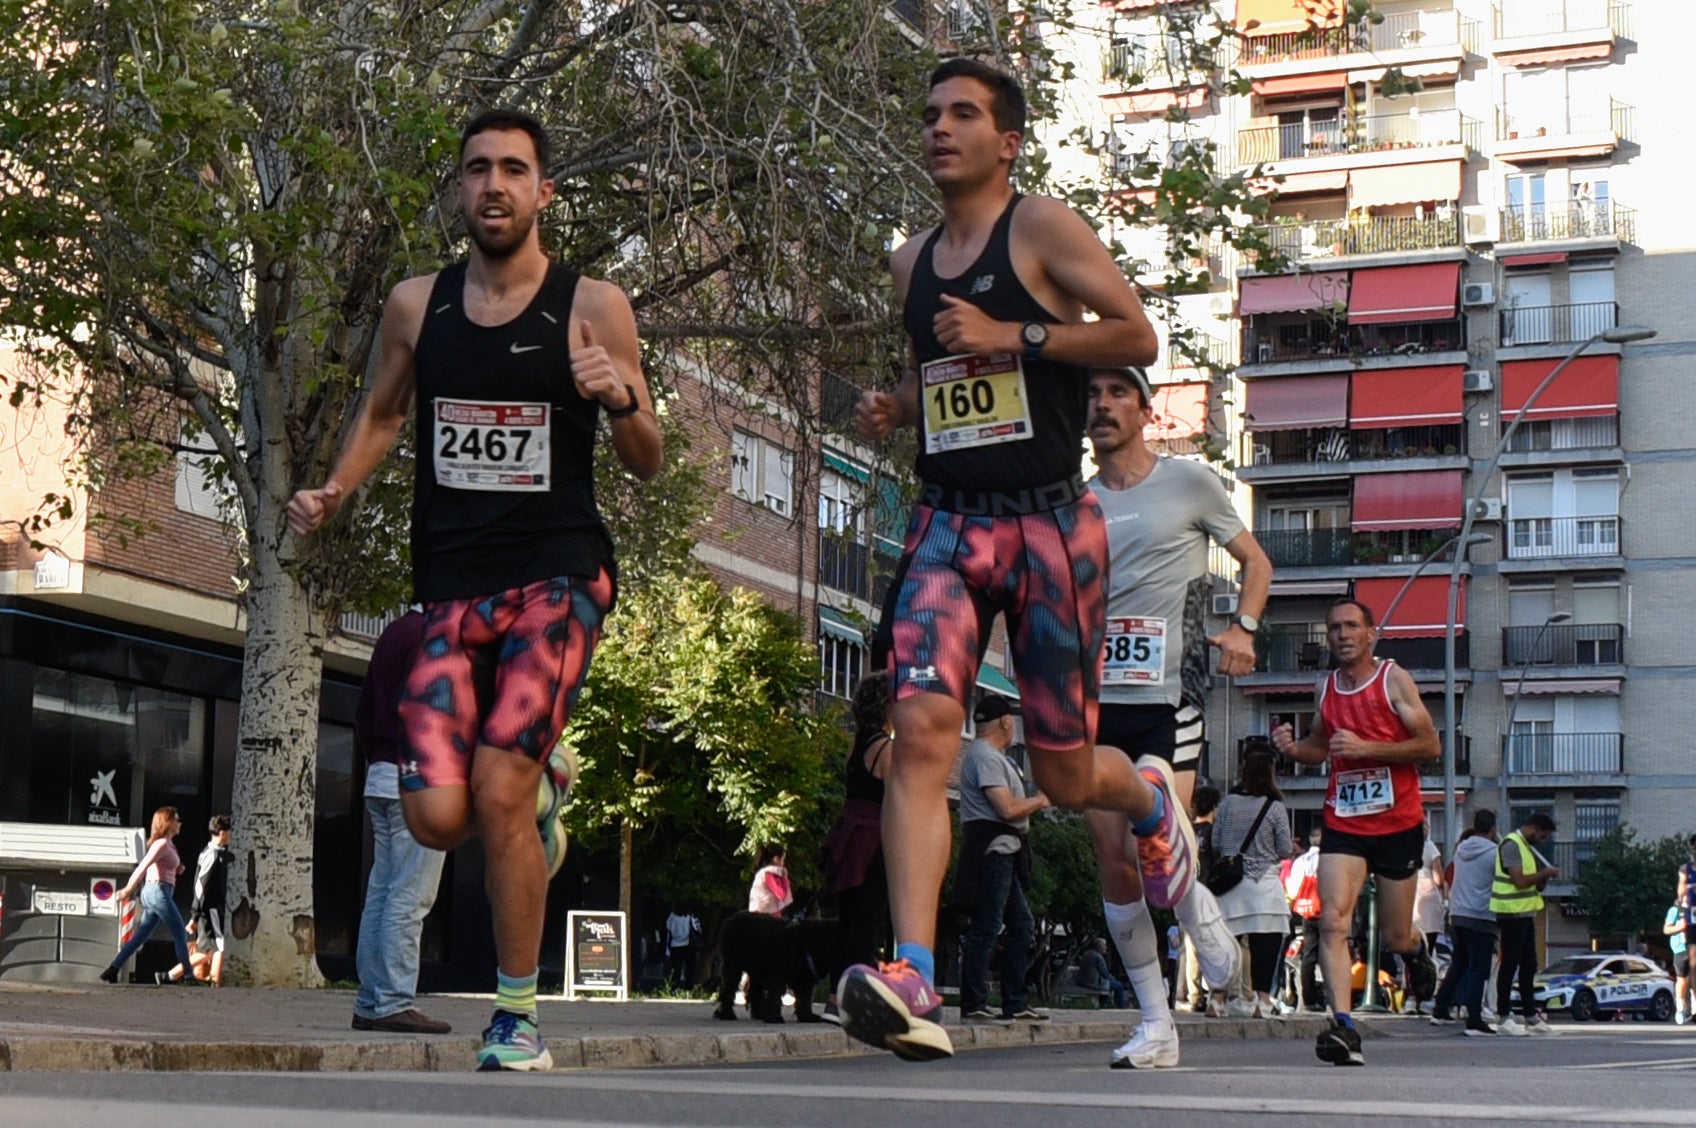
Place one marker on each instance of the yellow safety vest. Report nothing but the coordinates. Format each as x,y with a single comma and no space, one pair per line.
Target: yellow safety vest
1505,898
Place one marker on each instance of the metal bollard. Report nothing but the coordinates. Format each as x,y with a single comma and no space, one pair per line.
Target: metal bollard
1369,1003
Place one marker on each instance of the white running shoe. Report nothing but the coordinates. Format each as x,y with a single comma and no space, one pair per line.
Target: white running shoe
1512,1027
1216,950
1153,1046
1239,1008
1540,1026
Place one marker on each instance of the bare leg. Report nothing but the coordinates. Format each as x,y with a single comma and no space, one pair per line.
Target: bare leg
1340,879
1121,882
916,827
1099,778
441,817
503,789
1395,914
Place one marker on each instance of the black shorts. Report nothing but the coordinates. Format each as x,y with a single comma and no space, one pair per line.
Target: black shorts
1681,963
1173,733
1391,856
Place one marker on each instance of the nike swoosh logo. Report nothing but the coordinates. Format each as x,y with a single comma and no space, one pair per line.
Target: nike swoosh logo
527,348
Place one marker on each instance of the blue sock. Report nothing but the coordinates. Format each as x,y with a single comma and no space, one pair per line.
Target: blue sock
1142,828
1343,1020
919,956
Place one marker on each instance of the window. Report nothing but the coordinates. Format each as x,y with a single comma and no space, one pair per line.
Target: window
841,661
838,511
964,19
197,489
1310,131
1563,513
1591,292
1591,822
1525,318
1525,217
762,472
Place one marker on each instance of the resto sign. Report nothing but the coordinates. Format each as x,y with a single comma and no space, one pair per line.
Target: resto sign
595,956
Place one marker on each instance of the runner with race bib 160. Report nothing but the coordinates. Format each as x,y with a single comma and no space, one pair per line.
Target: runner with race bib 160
1376,732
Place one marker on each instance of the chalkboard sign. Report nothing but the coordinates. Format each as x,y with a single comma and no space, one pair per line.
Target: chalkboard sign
595,954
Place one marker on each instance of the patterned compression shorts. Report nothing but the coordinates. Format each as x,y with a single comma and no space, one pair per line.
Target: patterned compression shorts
1044,572
500,670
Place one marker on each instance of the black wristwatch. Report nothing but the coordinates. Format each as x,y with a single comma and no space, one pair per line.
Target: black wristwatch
1247,622
1034,334
628,409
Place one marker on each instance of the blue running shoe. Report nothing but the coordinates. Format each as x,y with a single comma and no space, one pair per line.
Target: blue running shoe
512,1043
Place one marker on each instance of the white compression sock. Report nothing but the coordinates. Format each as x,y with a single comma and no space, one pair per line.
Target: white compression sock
1134,936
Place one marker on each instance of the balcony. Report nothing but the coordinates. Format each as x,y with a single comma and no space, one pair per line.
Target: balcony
1599,432
912,13
852,568
837,399
1321,240
1563,538
1378,133
1292,649
1565,754
1576,221
1337,445
1564,644
1588,129
1292,772
1556,324
1522,21
1307,548
1425,652
1266,342
1400,31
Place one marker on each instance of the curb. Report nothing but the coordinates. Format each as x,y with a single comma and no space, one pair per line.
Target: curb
623,1051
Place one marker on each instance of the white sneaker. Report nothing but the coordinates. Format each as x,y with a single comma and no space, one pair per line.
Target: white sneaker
1239,1008
1681,1018
1488,1015
1540,1026
1512,1027
1216,950
1153,1046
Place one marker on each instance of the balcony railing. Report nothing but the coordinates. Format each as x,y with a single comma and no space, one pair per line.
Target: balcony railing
1334,444
912,12
1307,548
1562,119
1517,20
1564,753
1290,769
1363,235
1594,432
1289,649
837,399
856,569
1532,538
1572,644
1556,324
1268,343
1576,221
1428,28
1358,135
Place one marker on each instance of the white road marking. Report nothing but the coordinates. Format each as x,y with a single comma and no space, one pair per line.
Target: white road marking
56,1112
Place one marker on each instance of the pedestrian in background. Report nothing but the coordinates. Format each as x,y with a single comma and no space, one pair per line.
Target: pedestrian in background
770,893
1472,927
1674,930
1094,974
681,930
156,876
1302,888
1516,897
1252,822
853,850
207,914
1204,806
404,874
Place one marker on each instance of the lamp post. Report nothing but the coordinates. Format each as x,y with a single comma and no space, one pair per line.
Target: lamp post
1624,334
1513,711
1395,601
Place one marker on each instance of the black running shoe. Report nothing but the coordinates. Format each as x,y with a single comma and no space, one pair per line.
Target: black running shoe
1339,1045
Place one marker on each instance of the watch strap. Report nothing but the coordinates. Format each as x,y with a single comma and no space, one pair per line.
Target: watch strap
628,409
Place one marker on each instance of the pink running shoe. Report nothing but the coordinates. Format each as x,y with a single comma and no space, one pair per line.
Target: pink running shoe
1167,856
892,1008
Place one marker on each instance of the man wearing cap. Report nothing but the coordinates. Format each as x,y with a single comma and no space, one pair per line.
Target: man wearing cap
1161,514
995,820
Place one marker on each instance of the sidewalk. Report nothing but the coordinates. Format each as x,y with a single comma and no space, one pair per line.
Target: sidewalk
182,1028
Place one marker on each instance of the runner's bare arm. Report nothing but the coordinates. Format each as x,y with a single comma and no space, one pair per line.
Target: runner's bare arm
606,361
1314,748
382,412
1421,746
1236,646
1080,266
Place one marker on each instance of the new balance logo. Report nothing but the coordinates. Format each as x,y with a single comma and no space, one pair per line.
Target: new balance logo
527,348
921,673
983,283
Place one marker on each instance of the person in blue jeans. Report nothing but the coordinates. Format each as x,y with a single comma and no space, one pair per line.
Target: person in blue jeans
404,875
1472,927
995,819
156,875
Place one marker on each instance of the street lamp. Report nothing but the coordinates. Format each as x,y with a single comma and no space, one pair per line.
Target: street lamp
1513,711
1622,335
1475,538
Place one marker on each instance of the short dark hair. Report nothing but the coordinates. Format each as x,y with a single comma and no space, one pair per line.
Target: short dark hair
1537,820
218,824
1205,800
503,120
1350,601
1484,820
1007,97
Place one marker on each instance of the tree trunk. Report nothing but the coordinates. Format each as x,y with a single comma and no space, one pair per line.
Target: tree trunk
626,867
275,782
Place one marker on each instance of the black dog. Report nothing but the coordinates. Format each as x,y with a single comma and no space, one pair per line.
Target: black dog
775,954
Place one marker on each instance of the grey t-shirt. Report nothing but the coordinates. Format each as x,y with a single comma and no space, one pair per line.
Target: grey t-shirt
988,766
1157,534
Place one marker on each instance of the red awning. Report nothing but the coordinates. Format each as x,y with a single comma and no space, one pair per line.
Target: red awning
1301,84
1180,412
1294,403
1427,292
1289,293
1589,387
1555,55
1301,183
1282,17
1406,397
1422,612
1565,685
1404,184
1542,258
1422,499
1155,102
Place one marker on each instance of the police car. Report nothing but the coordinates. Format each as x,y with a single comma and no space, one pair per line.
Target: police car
1596,984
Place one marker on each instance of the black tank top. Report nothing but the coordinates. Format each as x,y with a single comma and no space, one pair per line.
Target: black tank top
504,490
858,782
1058,393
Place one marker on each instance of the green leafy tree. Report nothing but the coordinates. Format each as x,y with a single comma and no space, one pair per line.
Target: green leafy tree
698,715
1627,884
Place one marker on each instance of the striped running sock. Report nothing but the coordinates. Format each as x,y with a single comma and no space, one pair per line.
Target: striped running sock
516,994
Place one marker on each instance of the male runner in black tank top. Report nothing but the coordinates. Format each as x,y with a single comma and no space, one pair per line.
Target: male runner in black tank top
993,301
513,360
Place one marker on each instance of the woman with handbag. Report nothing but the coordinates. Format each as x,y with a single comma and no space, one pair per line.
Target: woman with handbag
1251,835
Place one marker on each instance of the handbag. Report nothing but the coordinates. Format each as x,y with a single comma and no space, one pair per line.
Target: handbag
1226,872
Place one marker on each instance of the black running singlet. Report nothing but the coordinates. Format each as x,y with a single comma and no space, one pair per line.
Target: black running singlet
972,433
504,491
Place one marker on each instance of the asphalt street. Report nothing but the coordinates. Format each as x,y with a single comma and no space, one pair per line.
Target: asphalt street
1608,1074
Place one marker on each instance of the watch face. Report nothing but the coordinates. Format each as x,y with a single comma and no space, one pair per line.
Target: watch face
1035,333
1248,623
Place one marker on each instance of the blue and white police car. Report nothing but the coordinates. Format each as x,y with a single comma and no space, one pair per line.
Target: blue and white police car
1596,984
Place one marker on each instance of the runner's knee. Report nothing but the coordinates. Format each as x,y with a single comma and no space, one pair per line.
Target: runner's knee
439,818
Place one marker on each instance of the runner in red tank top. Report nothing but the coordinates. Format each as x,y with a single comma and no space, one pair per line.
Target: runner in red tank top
1375,732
